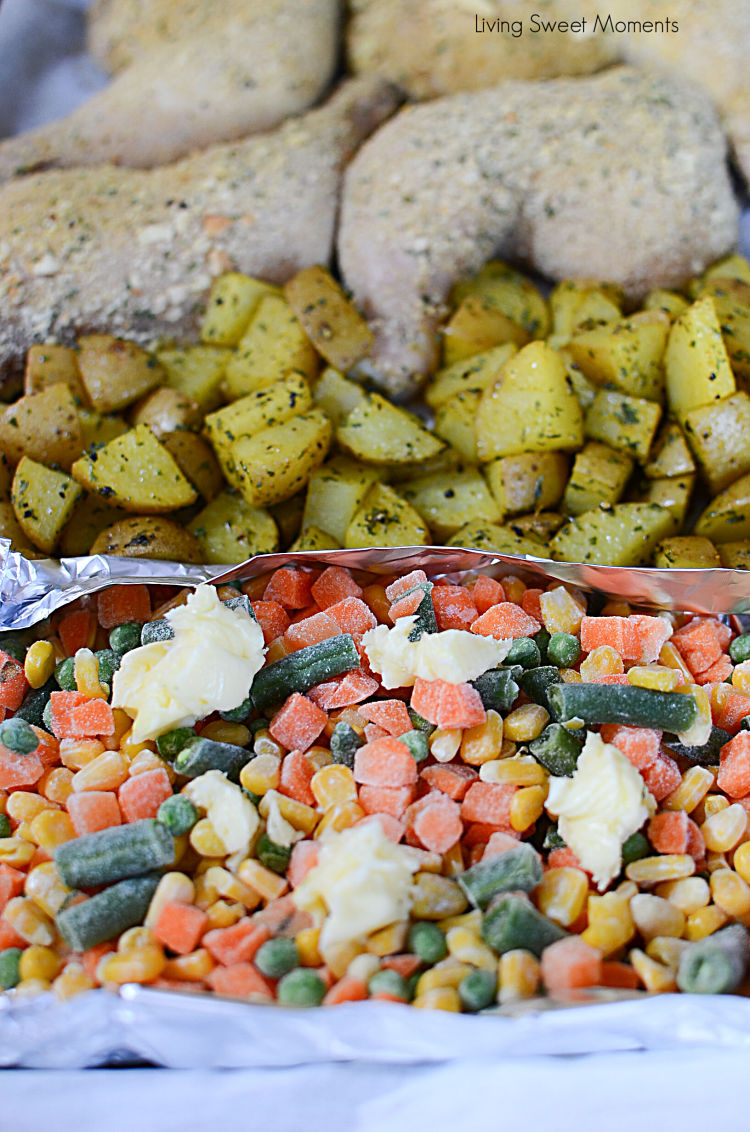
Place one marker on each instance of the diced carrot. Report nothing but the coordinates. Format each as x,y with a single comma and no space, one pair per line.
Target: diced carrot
297,723
504,621
500,842
406,964
696,846
641,745
237,943
91,957
392,827
385,762
11,883
569,963
347,989
487,592
489,803
311,630
9,937
282,916
448,705
13,682
333,585
77,630
75,716
719,671
531,604
620,633
343,691
477,837
290,586
304,857
734,766
296,776
376,601
453,779
310,610
374,731
406,606
49,748
352,615
564,858
392,800
272,618
437,823
254,588
92,810
41,856
652,633
117,604
699,644
617,974
180,926
662,776
454,607
18,770
240,980
391,715
668,832
141,795
396,589
730,711
611,678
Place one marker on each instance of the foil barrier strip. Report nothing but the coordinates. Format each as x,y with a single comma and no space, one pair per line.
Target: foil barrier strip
31,590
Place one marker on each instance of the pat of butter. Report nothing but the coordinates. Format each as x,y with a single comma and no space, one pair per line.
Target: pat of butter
207,666
454,655
233,816
363,878
598,809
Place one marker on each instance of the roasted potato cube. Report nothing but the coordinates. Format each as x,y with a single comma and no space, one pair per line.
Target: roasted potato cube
622,534
730,267
727,517
273,346
313,538
539,525
497,538
43,426
507,290
732,301
530,481
626,354
230,530
577,302
627,424
278,461
455,422
332,322
670,302
195,459
334,493
531,408
10,529
385,519
719,435
135,472
90,517
382,433
336,395
450,500
231,304
43,501
197,372
599,475
166,410
148,536
696,363
735,555
474,373
686,552
116,372
98,429
476,326
670,455
47,365
672,492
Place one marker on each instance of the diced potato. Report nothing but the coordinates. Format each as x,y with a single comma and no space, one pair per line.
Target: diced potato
624,534
385,519
540,525
97,428
732,301
312,538
672,492
474,373
229,530
476,326
735,555
166,410
719,435
332,322
336,395
497,538
382,433
49,364
91,516
446,460
687,552
273,346
730,267
335,492
670,455
530,481
455,422
278,461
116,372
727,517
137,473
231,304
450,500
626,354
197,372
43,501
575,302
696,363
531,408
670,302
599,475
627,424
584,388
507,290
148,536
10,529
43,426
195,459
288,516
6,475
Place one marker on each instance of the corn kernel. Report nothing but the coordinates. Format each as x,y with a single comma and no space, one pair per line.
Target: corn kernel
610,922
191,968
666,949
44,886
704,921
716,861
222,914
205,893
307,942
86,669
123,724
143,965
388,940
471,920
29,921
39,664
439,998
741,860
16,851
172,887
147,760
30,988
303,818
656,676
106,772
670,657
482,743
363,966
224,731
730,892
688,894
38,962
23,806
71,981
129,748
205,840
561,613
56,784
651,870
696,782
265,744
714,803
656,977
466,946
267,884
514,588
333,784
231,887
445,744
521,770
339,956
318,757
519,975
527,806
741,677
342,815
602,661
51,828
453,861
262,773
653,915
447,973
725,829
78,753
435,897
627,889
526,723
561,895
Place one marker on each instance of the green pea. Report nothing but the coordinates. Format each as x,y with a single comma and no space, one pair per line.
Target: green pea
10,974
418,744
477,990
272,856
109,662
171,743
276,957
389,982
17,736
5,828
563,650
524,651
635,847
301,987
426,940
739,649
240,713
125,637
178,814
65,674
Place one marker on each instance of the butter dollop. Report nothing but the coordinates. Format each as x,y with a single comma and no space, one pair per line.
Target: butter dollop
604,802
207,666
454,655
363,878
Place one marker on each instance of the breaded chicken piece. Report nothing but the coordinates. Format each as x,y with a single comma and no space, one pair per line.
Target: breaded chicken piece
133,252
434,47
621,176
232,69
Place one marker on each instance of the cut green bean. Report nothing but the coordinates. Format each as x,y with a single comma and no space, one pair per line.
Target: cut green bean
105,915
518,869
242,603
498,688
514,922
536,682
272,855
524,651
201,755
715,964
623,703
345,742
159,630
636,847
419,723
65,674
109,662
32,708
564,650
10,963
5,826
171,743
114,853
708,753
300,670
557,749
